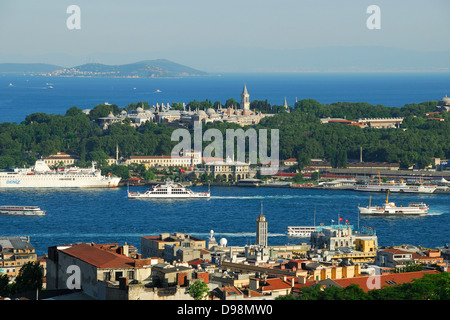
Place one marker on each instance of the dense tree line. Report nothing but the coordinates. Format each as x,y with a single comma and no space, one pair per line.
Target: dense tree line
429,287
302,135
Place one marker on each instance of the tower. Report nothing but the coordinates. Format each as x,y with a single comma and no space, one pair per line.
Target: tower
245,99
286,105
261,230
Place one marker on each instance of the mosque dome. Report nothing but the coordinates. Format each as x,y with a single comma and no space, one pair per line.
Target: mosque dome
445,100
139,109
210,111
202,113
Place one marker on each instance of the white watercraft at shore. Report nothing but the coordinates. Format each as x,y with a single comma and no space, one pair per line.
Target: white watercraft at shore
41,176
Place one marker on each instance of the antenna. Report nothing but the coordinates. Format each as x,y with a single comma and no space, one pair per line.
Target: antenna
314,216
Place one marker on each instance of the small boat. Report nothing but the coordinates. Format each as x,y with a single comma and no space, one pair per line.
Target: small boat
390,209
169,190
22,210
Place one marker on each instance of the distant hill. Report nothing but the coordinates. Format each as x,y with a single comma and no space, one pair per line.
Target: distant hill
160,68
28,68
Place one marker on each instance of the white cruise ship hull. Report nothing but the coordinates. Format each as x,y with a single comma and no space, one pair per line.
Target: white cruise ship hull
56,181
40,176
395,188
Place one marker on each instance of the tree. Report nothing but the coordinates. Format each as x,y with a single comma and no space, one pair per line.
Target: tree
199,290
5,287
74,111
30,277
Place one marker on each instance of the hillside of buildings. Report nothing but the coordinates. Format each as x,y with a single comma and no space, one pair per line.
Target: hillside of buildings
178,266
414,133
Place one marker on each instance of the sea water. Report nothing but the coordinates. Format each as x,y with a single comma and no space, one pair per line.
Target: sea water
21,95
107,215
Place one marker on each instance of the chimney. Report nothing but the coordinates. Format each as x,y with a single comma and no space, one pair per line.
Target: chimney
254,284
126,250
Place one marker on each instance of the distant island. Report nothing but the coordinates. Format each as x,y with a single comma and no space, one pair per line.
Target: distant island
160,68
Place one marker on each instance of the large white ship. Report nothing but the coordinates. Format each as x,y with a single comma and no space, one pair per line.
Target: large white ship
169,190
394,186
41,176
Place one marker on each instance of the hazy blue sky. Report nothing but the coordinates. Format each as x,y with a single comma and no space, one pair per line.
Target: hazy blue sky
245,35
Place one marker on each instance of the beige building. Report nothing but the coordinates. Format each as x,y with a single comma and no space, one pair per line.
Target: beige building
155,246
101,273
229,170
189,159
15,252
381,122
61,159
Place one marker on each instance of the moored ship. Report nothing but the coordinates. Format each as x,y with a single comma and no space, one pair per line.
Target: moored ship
394,186
22,210
169,190
41,176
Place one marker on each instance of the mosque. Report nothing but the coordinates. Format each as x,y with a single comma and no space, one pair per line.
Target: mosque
241,114
444,104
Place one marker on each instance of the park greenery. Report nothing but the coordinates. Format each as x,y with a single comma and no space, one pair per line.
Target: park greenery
302,135
429,287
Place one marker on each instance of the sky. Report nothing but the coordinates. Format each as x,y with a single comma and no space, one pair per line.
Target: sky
231,36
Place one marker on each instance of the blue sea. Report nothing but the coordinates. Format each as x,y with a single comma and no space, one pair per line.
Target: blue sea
22,95
108,216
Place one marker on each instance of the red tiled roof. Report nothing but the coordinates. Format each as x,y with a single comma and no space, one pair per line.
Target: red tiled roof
397,251
393,278
98,257
275,284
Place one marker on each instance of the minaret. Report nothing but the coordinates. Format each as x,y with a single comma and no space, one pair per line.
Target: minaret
261,230
117,152
286,105
245,99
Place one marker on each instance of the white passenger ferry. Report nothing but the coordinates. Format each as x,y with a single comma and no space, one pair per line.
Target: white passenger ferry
390,209
41,176
22,210
169,190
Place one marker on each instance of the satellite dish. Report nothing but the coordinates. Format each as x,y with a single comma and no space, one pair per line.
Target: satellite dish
223,242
